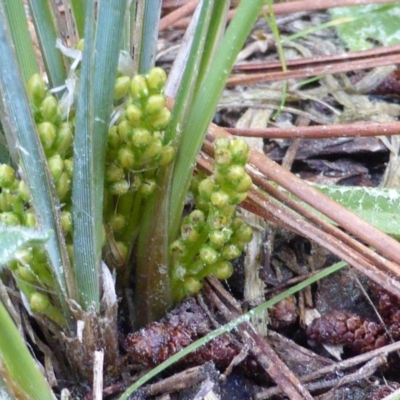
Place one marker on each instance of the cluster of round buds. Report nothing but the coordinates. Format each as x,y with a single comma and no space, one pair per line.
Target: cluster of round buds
213,235
56,134
136,144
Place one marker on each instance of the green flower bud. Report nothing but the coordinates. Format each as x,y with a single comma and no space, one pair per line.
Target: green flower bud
220,199
30,219
117,222
217,220
64,138
36,89
134,114
235,174
192,285
26,274
237,223
63,186
178,249
189,233
222,270
197,217
167,155
161,120
39,302
47,133
56,166
119,188
122,250
153,151
66,222
140,138
80,45
208,255
218,238
156,79
124,130
113,138
244,233
155,104
138,88
126,158
7,177
206,188
121,87
196,268
245,184
230,252
148,187
202,204
49,108
240,151
114,173
10,218
69,167
23,191
25,256
222,156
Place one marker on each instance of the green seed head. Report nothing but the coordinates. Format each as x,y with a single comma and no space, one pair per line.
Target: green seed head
156,79
148,187
122,250
80,45
153,151
218,238
30,219
26,274
114,173
64,138
117,222
138,88
192,285
222,270
161,120
126,158
197,217
155,104
7,177
178,249
208,255
235,174
206,188
113,138
240,151
244,233
124,130
189,233
39,302
121,87
10,218
49,108
23,192
222,156
56,166
47,133
167,155
119,188
63,186
140,138
36,89
230,252
244,185
220,199
66,222
69,167
134,114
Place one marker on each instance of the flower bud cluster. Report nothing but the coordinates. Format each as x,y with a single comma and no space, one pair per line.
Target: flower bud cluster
136,144
213,235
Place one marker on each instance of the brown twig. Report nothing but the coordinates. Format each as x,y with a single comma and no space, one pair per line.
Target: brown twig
322,131
178,14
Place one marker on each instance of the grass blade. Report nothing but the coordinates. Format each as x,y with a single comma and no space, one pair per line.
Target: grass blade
18,363
47,31
99,66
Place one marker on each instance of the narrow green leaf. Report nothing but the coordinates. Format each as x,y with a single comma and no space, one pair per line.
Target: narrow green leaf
13,238
78,10
18,23
26,150
18,362
229,326
97,79
47,31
